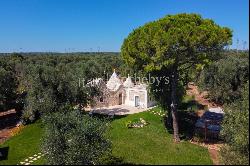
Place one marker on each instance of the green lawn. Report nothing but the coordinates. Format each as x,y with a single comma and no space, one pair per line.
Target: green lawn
148,145
23,145
152,144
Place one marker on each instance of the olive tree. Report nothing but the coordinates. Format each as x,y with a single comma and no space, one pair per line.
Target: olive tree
172,45
72,138
226,78
8,86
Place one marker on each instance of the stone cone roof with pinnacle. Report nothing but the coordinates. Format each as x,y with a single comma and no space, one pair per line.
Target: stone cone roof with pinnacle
128,83
114,82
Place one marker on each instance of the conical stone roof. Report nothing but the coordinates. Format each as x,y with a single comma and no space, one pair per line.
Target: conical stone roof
128,83
114,82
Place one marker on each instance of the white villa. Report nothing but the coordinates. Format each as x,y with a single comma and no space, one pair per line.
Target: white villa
117,92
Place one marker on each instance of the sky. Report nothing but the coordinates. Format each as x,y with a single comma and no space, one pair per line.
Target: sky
102,25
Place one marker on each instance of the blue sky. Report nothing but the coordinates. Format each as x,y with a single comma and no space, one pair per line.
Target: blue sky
89,25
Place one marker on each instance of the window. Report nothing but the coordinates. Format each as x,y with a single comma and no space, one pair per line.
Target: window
101,99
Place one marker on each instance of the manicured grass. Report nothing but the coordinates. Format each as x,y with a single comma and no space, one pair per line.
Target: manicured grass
24,145
152,144
149,145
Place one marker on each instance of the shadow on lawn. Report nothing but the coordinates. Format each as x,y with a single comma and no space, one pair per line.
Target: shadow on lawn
187,119
4,153
108,117
117,161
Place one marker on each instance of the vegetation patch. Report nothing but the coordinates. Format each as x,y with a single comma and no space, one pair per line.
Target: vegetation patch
137,123
149,145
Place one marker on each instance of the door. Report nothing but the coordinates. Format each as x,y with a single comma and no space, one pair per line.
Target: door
137,100
120,99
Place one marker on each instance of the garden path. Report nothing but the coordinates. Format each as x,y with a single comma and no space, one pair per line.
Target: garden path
8,123
202,98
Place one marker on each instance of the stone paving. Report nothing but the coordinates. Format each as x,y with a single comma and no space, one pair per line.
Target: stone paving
31,159
118,110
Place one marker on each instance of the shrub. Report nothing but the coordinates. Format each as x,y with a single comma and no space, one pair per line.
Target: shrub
74,138
235,130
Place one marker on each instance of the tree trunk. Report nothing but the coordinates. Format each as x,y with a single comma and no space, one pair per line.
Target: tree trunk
174,83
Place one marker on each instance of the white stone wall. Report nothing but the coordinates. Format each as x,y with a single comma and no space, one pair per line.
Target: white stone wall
131,93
